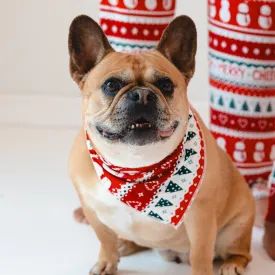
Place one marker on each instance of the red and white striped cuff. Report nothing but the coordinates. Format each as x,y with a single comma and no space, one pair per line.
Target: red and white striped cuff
135,25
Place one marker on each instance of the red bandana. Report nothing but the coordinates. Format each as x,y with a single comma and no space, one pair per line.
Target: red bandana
165,190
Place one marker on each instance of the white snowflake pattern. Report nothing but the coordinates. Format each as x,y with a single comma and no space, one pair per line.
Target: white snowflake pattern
134,31
114,29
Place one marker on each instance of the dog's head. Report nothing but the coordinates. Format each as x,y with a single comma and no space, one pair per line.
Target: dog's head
133,103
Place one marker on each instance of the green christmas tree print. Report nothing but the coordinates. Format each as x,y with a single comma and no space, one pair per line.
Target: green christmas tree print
232,104
269,107
155,215
212,98
183,171
220,101
189,152
163,203
190,135
258,108
172,187
245,107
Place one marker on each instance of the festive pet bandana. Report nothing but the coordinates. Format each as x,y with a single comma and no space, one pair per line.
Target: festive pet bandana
165,190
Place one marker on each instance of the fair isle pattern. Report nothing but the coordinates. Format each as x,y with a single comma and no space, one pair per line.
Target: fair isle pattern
251,106
249,49
163,191
134,26
242,83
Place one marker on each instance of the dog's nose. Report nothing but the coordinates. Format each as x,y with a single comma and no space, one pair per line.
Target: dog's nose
142,96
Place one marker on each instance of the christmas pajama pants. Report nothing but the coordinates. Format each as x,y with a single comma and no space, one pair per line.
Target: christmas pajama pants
242,86
242,73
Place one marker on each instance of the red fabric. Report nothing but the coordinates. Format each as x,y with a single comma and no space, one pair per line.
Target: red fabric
242,83
248,53
254,11
130,6
141,35
160,173
135,25
248,124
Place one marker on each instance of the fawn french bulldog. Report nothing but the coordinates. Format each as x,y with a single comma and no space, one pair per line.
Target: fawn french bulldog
147,170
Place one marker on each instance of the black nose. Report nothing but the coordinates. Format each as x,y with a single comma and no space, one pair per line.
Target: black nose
142,96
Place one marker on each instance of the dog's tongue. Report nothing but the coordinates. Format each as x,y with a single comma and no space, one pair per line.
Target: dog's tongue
166,133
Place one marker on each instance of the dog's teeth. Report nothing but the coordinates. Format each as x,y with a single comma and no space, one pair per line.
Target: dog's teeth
137,125
133,126
150,125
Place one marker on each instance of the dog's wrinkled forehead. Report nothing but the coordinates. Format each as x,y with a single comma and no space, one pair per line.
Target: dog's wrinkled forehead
90,50
142,68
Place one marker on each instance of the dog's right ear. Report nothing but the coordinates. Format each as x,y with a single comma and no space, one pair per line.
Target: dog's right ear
87,46
179,44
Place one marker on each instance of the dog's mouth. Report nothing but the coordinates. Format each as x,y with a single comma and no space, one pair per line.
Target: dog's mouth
140,126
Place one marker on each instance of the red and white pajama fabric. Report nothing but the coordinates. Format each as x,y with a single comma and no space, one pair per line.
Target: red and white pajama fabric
242,83
135,25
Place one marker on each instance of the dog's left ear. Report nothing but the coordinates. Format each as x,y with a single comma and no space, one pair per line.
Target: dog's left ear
87,46
179,44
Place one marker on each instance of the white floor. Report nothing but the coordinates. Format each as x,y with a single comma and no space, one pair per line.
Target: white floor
37,233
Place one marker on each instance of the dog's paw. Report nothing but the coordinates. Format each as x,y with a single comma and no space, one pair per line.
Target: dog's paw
127,248
231,269
104,268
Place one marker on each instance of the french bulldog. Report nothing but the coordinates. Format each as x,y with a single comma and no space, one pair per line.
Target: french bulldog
141,137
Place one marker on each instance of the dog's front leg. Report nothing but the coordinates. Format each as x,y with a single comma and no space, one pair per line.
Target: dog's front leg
201,229
109,255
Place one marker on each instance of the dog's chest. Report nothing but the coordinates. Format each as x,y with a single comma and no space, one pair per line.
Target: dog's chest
127,222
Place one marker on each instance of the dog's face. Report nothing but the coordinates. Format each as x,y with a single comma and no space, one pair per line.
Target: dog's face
133,100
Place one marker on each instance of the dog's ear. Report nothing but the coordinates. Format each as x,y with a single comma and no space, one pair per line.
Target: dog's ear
179,44
87,46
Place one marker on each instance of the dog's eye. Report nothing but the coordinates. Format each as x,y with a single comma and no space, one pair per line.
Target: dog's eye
111,86
165,85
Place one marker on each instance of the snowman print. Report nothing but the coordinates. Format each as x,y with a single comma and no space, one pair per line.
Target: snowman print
167,4
239,153
224,12
259,152
212,9
151,4
243,17
131,4
265,18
